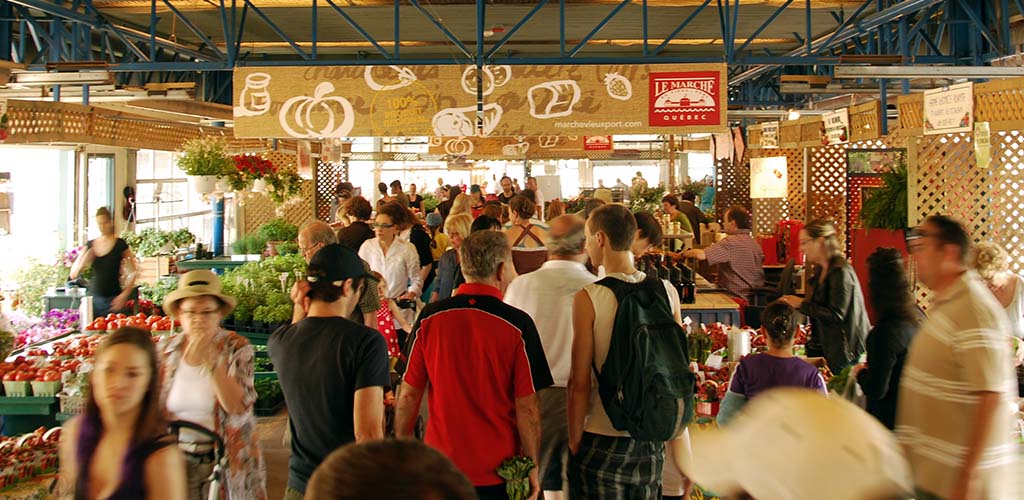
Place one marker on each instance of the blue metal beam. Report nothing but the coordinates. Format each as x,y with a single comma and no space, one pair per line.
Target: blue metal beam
526,19
981,27
765,24
448,34
98,22
266,19
359,29
869,23
191,27
604,22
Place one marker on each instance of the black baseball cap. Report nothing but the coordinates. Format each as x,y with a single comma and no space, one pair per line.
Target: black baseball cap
334,264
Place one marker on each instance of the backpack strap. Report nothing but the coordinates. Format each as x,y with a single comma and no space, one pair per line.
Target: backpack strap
622,289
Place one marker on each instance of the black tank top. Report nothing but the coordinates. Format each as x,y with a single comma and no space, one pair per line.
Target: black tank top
106,281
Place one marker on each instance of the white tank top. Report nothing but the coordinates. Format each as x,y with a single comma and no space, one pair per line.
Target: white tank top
192,398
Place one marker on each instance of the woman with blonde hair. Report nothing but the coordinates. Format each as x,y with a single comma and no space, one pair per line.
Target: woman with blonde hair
462,205
208,380
555,209
993,265
449,273
839,319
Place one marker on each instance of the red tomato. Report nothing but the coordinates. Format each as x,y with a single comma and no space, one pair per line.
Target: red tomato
121,316
11,376
111,317
140,316
51,376
24,377
19,360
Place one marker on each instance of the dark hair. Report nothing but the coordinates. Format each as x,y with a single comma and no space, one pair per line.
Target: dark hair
688,196
399,215
359,207
671,200
485,223
739,215
888,286
492,210
529,193
951,232
505,177
368,470
617,223
103,211
150,422
522,206
382,188
344,187
454,191
591,205
396,184
779,321
648,227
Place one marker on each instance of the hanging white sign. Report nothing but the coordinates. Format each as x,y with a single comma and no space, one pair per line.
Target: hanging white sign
768,177
770,135
982,144
949,109
837,127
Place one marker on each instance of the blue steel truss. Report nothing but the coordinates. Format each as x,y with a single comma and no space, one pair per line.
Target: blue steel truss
962,32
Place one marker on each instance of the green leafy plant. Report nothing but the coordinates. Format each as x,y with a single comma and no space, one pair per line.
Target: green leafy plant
885,207
258,284
283,186
516,473
263,364
287,247
150,242
646,199
278,230
249,244
277,308
156,292
33,279
268,392
206,155
430,202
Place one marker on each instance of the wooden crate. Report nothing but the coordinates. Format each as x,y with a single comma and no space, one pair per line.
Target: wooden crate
150,269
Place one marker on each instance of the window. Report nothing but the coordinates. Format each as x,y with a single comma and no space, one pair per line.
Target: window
163,199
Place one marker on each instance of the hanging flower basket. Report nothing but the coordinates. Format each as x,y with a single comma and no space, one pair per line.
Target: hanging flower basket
202,184
259,186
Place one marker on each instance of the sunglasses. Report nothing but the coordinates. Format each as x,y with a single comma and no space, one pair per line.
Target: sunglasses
378,225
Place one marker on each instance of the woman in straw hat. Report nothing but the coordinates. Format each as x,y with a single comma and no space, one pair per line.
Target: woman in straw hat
208,380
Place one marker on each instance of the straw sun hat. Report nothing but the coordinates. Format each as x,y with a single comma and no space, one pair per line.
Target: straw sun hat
198,283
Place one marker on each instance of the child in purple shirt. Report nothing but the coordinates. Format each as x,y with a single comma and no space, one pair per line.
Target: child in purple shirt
776,368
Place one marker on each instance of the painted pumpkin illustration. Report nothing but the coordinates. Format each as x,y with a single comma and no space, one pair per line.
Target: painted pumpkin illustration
316,116
460,146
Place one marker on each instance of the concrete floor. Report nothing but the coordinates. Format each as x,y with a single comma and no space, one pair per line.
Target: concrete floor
271,432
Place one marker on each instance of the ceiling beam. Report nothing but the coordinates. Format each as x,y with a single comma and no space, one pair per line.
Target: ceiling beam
898,72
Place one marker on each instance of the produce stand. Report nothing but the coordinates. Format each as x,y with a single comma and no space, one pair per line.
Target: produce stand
222,263
26,414
712,307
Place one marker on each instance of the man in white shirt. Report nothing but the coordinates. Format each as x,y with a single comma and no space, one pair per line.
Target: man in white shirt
547,295
538,198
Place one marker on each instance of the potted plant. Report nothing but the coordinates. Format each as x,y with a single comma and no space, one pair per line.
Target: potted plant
204,160
283,186
276,231
884,218
250,169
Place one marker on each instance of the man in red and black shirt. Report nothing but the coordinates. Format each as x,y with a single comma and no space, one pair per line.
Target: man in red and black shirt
484,362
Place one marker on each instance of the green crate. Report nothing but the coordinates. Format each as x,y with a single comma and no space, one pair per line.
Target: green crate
22,415
256,338
265,375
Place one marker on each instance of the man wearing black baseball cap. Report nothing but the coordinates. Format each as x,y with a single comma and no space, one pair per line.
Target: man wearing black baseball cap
332,371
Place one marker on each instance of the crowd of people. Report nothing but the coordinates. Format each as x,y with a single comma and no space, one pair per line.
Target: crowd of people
493,325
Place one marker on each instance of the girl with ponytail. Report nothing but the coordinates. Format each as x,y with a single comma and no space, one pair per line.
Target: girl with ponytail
777,367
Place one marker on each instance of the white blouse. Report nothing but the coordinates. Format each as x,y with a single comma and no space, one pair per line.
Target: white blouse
400,267
192,398
1016,309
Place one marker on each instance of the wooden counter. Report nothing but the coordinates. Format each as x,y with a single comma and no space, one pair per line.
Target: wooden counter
712,307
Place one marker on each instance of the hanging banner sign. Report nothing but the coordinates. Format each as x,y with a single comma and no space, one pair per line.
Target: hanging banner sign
597,143
982,144
602,99
506,147
948,110
318,102
769,178
836,127
770,135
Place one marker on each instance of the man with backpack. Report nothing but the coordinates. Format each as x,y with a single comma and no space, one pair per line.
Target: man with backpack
626,331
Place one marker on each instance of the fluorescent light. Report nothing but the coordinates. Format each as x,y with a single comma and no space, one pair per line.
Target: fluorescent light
793,114
969,72
73,78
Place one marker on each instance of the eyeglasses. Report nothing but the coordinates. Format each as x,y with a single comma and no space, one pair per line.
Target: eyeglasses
210,312
310,248
379,225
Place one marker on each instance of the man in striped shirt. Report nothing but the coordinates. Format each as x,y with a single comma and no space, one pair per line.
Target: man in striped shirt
739,256
954,415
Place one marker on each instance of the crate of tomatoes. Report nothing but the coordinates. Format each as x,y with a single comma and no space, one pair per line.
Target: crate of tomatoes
156,324
35,375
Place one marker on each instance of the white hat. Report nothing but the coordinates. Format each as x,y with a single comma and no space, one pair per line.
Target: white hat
794,444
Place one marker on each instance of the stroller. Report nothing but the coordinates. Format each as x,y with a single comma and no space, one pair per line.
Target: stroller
220,459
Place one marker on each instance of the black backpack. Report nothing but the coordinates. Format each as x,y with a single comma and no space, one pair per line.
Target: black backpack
646,384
